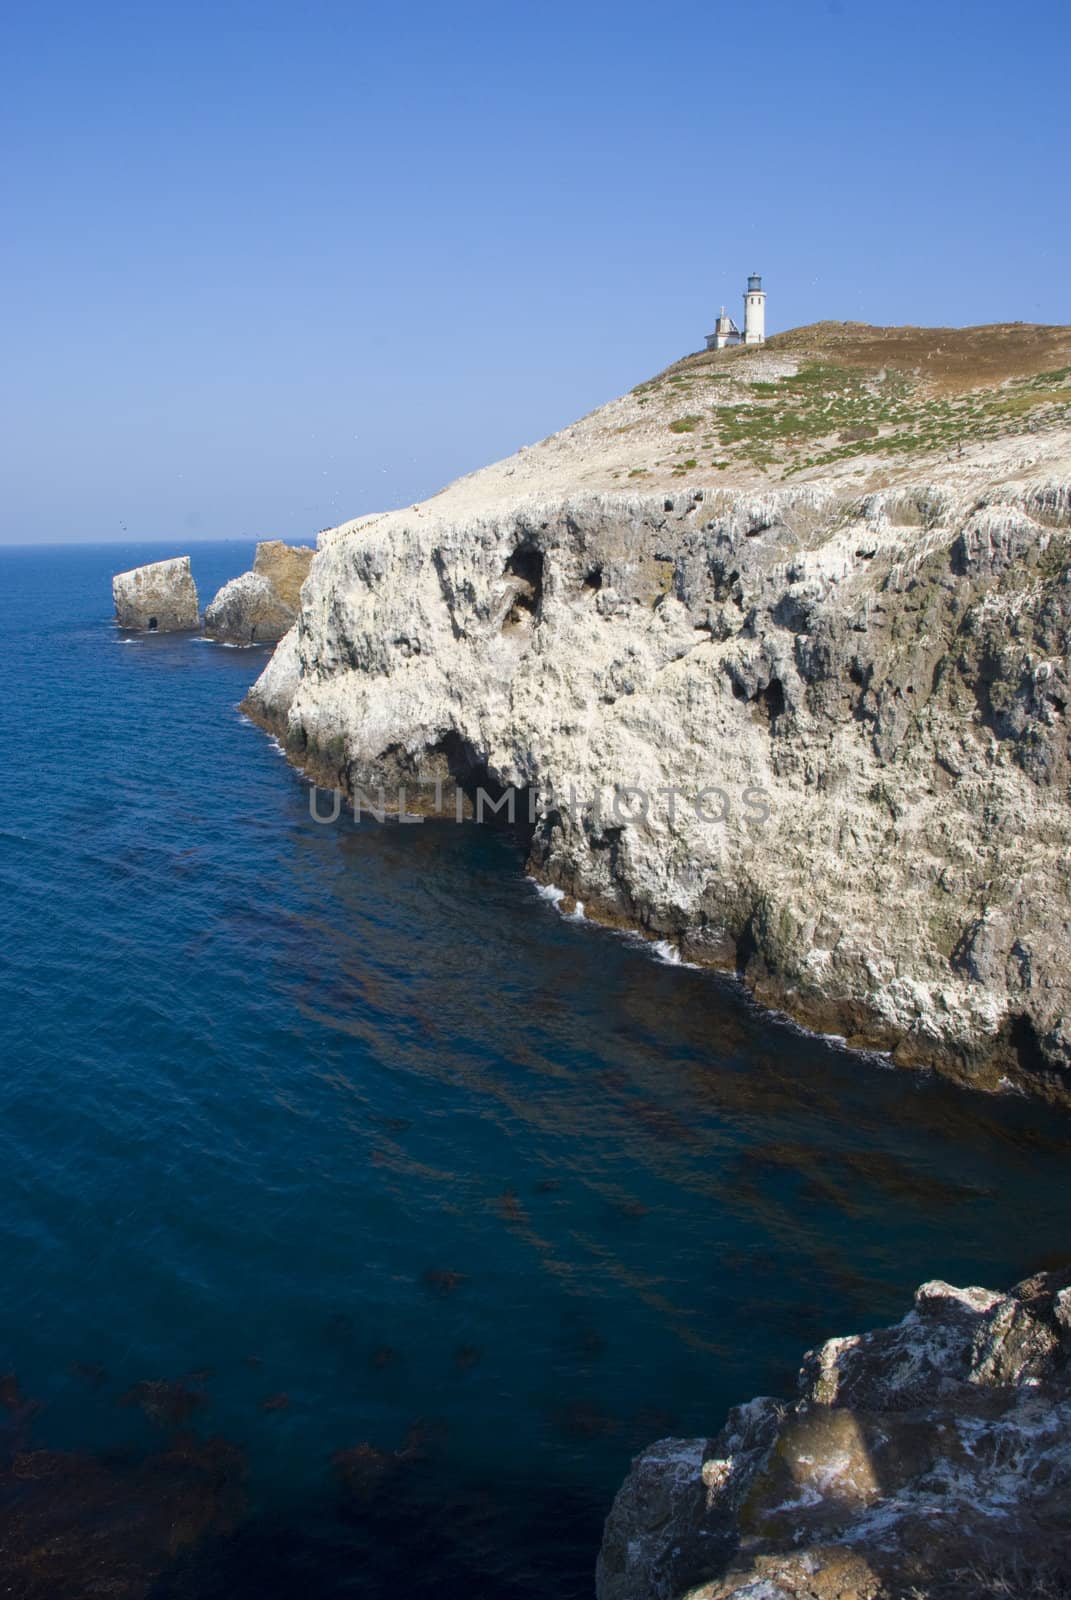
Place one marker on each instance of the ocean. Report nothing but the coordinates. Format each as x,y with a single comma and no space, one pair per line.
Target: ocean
335,1155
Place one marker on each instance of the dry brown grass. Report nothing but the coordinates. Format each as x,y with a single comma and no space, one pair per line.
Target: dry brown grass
947,359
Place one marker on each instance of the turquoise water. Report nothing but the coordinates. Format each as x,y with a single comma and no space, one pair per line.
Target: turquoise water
348,1119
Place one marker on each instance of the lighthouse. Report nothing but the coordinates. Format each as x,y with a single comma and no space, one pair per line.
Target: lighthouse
726,333
754,311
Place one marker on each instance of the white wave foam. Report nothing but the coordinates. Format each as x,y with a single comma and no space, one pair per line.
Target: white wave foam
273,742
548,891
836,1041
669,955
554,896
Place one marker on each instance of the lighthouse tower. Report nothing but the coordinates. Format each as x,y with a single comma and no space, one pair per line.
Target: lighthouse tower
754,311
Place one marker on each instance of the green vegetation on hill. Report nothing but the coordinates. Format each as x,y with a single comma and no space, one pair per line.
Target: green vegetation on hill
827,412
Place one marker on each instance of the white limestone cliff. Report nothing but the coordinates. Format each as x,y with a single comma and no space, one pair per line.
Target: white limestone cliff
840,679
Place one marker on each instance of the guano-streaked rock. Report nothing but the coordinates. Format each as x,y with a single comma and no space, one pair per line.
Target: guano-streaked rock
930,1459
837,671
158,598
260,606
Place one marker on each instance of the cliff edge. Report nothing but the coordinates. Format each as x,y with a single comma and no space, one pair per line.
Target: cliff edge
775,651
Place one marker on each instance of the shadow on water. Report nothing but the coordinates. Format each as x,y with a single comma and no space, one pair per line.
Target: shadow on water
456,1542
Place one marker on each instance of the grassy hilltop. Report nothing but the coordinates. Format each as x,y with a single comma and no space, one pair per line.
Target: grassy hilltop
836,390
834,401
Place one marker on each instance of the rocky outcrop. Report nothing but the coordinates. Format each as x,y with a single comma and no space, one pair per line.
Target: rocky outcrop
158,598
930,1459
260,606
808,724
286,566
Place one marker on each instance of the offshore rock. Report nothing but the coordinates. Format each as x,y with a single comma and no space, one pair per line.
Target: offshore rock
932,1458
805,715
260,606
159,598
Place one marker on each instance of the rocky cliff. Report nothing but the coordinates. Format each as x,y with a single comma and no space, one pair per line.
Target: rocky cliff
775,651
159,598
928,1461
260,606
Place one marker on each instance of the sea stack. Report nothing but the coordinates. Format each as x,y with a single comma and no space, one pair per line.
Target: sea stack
262,605
158,598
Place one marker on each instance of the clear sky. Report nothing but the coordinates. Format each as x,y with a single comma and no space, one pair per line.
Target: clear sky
268,265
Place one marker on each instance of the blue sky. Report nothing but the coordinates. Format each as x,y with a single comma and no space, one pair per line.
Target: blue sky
266,266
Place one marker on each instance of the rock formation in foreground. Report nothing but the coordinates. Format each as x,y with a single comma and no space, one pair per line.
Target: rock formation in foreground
261,606
931,1460
811,604
158,598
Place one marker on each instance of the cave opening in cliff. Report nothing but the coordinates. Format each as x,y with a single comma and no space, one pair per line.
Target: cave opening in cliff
525,567
484,798
773,698
593,579
1025,1046
747,946
153,624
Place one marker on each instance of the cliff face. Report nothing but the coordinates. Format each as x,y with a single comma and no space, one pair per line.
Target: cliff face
931,1460
831,663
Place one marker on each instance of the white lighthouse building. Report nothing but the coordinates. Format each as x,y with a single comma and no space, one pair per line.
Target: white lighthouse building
726,331
754,311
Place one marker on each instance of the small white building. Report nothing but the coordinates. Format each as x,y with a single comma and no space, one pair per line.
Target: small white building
726,331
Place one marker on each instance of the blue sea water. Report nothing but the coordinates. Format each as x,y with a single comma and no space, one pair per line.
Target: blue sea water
349,1115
